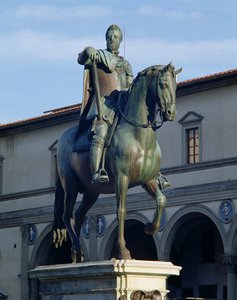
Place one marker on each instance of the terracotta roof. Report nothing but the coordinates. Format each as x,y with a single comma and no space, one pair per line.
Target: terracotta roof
47,114
208,82
71,108
210,76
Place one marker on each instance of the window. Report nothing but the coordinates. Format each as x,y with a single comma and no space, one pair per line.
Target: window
192,140
1,175
54,171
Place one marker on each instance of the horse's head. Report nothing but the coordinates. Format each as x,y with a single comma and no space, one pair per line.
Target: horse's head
163,89
153,87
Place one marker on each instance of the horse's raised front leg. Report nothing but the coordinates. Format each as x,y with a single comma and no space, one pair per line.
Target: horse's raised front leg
121,187
153,189
88,199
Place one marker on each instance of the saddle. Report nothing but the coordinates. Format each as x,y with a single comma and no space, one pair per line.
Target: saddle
83,139
84,135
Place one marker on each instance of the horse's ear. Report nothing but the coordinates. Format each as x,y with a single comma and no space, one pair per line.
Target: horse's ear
178,71
168,67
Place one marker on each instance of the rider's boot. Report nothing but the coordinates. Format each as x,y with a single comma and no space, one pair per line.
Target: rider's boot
98,175
97,148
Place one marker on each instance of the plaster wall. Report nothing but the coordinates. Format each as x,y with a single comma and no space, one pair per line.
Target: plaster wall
203,176
27,163
34,162
10,261
209,104
26,203
218,140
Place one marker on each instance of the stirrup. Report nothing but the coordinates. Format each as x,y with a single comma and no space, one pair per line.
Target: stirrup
163,182
100,177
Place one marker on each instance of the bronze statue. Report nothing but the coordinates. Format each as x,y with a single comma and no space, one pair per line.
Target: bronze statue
106,73
132,158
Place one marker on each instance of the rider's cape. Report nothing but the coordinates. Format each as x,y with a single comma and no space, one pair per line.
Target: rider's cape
112,75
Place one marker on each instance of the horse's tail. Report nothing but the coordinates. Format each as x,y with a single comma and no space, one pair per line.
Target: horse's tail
59,230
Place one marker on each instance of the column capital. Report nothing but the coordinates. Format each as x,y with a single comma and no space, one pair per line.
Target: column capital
230,262
25,231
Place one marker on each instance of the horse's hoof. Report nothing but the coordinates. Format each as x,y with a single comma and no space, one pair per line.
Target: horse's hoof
149,229
76,257
124,254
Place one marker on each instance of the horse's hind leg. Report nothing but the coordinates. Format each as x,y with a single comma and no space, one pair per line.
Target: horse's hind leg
59,231
88,199
71,191
153,189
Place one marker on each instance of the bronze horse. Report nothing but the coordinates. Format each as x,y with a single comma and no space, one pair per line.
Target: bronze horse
132,159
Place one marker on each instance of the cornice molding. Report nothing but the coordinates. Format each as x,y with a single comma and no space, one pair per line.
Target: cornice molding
27,194
166,171
38,123
219,163
197,194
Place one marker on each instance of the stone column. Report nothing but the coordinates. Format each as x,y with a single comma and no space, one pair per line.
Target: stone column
230,262
34,289
24,262
92,238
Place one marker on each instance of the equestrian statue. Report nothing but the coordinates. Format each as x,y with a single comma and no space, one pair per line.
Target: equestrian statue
115,146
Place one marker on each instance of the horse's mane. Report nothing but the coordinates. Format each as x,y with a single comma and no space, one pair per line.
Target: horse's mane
152,70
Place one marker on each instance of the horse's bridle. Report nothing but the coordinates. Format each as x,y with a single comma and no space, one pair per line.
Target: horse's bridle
154,124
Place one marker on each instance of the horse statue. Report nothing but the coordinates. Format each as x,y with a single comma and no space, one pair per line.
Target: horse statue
132,158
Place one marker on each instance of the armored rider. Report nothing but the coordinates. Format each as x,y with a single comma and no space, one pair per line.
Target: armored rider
114,75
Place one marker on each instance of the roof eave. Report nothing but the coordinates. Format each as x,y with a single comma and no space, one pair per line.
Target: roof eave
40,122
207,83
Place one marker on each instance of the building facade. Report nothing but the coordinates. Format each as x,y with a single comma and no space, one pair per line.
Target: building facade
199,225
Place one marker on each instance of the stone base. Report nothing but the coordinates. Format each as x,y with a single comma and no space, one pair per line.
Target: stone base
107,280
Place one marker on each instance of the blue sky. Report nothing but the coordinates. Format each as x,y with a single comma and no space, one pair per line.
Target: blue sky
40,40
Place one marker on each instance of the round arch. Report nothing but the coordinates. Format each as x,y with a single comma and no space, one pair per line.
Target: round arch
195,239
44,250
34,261
132,219
179,218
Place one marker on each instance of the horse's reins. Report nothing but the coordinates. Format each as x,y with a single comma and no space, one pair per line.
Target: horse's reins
149,124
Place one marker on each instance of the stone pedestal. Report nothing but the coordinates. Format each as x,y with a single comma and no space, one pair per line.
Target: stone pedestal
107,280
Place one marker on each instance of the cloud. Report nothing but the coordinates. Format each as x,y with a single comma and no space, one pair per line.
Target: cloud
156,11
28,44
197,57
62,13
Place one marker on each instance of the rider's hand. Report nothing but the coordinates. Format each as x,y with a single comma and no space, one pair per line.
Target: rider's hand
92,54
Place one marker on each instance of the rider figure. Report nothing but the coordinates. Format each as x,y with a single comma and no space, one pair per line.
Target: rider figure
114,75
